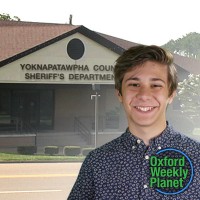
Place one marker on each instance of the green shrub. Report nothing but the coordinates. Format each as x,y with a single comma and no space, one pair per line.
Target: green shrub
86,151
72,150
51,150
27,150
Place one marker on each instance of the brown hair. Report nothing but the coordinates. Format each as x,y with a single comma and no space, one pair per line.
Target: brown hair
137,55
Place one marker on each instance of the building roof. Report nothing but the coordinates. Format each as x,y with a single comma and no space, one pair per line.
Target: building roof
18,39
17,36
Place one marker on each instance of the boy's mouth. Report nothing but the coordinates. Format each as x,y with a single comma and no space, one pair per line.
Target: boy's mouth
144,108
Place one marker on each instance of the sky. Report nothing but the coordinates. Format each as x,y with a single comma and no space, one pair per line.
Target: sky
140,21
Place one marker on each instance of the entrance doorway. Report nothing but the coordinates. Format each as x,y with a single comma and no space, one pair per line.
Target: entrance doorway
25,110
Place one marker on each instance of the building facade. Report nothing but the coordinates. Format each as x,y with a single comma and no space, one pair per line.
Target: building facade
57,84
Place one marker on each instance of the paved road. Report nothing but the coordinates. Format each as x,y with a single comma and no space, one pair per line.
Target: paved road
37,181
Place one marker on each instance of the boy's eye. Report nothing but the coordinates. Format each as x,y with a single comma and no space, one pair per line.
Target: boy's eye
135,84
156,85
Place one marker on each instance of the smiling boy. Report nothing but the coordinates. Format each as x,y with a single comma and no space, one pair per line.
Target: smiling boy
146,83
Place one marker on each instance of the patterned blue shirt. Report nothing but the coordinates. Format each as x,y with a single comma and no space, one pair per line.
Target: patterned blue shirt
120,169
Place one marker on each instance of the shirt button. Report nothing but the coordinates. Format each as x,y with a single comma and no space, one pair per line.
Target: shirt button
138,141
133,147
159,147
145,186
147,157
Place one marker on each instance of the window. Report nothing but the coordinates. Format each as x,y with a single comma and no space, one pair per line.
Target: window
5,117
46,109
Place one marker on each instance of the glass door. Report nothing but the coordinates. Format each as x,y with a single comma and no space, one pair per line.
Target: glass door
25,110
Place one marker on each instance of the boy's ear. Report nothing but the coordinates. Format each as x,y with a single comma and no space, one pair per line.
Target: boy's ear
119,96
171,98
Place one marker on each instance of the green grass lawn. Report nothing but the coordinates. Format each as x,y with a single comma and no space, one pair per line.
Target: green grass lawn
13,157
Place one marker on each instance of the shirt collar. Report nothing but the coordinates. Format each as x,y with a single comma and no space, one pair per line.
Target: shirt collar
130,140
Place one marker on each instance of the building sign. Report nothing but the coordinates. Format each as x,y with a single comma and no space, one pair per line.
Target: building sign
67,72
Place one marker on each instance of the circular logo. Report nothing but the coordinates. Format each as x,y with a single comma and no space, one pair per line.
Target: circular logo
75,49
171,171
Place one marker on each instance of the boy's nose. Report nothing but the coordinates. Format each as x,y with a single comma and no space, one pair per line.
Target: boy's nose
144,93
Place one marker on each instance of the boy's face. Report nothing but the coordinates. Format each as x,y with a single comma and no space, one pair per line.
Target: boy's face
145,95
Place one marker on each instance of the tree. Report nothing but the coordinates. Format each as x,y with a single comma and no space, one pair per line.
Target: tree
188,45
189,96
8,17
